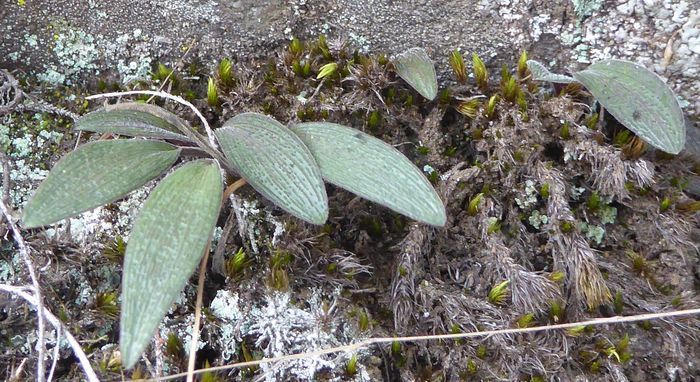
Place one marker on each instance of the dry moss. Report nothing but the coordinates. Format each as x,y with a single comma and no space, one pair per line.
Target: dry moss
525,148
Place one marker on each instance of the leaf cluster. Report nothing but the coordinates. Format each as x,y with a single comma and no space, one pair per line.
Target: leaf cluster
287,165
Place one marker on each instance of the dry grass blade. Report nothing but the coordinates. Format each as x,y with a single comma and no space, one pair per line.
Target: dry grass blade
24,251
53,320
488,333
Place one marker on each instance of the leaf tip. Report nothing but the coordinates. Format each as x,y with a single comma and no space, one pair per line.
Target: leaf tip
438,218
418,70
30,218
319,218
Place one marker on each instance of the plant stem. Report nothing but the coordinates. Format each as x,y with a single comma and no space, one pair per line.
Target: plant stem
232,188
210,147
197,314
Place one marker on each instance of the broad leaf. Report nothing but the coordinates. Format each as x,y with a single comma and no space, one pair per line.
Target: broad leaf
372,169
418,70
638,99
134,119
169,237
95,174
276,163
541,73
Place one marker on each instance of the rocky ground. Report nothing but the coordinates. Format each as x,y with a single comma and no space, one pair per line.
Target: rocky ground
579,225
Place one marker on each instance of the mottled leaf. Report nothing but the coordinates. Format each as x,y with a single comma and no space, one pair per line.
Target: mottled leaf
372,169
418,70
638,99
541,73
276,163
134,119
169,238
95,174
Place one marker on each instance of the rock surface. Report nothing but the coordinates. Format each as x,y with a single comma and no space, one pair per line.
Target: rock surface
63,40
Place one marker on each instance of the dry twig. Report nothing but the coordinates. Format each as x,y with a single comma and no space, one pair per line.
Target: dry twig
53,320
197,316
24,252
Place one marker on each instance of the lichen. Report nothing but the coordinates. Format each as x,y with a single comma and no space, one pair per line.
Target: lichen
529,197
225,308
77,53
585,8
537,220
593,232
439,279
607,214
282,328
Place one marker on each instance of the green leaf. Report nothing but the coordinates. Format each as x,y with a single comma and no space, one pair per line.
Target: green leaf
417,69
541,73
95,174
169,237
134,120
372,169
638,99
276,163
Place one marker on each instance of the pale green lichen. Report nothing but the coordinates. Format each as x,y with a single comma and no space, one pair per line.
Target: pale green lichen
77,53
23,177
10,266
530,196
537,220
283,327
593,232
134,70
249,217
5,141
185,332
85,293
129,208
585,8
576,192
607,214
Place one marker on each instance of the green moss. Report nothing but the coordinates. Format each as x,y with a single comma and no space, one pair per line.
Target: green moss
498,293
481,75
665,204
526,320
457,64
482,351
594,201
173,345
618,303
296,47
522,65
474,204
374,120
351,366
564,132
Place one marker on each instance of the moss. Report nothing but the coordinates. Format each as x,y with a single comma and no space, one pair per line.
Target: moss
508,200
